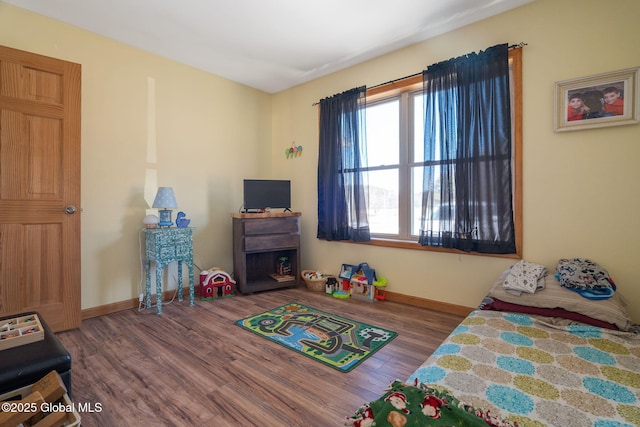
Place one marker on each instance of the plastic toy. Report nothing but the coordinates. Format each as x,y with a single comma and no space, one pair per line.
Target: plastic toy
341,294
379,288
361,283
215,284
347,270
331,285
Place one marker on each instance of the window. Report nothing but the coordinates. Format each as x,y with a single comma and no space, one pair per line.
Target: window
395,162
394,128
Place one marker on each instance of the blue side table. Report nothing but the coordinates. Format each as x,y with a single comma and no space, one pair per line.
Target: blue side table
164,246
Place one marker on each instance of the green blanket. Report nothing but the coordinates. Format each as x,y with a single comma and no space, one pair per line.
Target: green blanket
420,405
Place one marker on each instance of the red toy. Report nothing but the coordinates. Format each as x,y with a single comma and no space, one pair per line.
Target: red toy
215,284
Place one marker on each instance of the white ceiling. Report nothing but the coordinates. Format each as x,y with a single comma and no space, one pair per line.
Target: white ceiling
269,45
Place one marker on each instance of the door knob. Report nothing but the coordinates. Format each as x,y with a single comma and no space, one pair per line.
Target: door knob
70,209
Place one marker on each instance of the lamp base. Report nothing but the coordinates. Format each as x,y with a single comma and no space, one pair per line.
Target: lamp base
165,218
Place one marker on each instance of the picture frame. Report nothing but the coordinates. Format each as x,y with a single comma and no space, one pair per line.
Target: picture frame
601,100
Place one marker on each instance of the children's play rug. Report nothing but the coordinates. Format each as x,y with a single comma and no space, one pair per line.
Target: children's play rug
333,340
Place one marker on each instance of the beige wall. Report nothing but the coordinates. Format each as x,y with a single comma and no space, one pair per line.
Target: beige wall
211,133
147,122
579,187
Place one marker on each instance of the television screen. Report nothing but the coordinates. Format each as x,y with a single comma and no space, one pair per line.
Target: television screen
261,194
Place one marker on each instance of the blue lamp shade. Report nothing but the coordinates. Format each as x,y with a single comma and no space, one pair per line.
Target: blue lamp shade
165,201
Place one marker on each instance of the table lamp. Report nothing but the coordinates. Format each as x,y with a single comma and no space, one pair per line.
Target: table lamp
165,201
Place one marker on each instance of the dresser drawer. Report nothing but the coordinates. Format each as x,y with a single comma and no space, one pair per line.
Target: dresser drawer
166,252
270,242
168,244
260,226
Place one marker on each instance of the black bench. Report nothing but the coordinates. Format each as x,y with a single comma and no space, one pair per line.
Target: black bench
25,364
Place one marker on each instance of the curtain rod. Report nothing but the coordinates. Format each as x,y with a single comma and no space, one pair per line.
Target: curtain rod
513,46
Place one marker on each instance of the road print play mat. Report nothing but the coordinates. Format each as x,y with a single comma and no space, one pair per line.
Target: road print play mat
334,340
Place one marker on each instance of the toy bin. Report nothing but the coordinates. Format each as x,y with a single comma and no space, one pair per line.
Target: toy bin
50,406
314,280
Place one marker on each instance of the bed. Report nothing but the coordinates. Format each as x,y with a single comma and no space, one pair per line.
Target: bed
550,358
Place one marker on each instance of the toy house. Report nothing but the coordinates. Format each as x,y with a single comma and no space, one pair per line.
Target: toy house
215,284
360,280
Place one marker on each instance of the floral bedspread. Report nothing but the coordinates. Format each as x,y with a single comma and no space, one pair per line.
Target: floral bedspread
523,370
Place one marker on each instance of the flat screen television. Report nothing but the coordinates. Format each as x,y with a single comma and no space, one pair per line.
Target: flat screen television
261,194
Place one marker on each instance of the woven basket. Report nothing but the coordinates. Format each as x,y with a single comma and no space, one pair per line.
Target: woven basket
316,285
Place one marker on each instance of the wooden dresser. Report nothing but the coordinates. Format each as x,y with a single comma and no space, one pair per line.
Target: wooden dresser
259,241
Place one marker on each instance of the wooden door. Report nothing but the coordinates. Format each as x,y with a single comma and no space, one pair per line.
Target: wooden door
40,187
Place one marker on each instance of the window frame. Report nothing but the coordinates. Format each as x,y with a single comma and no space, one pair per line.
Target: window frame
413,83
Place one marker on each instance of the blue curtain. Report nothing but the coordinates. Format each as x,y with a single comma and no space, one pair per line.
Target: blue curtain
342,195
467,187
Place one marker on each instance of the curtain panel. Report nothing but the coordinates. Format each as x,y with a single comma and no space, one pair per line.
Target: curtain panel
467,180
342,195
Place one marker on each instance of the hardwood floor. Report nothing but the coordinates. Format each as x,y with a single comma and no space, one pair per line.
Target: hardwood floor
191,366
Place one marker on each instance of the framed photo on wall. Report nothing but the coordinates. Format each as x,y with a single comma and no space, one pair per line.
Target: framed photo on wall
608,99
